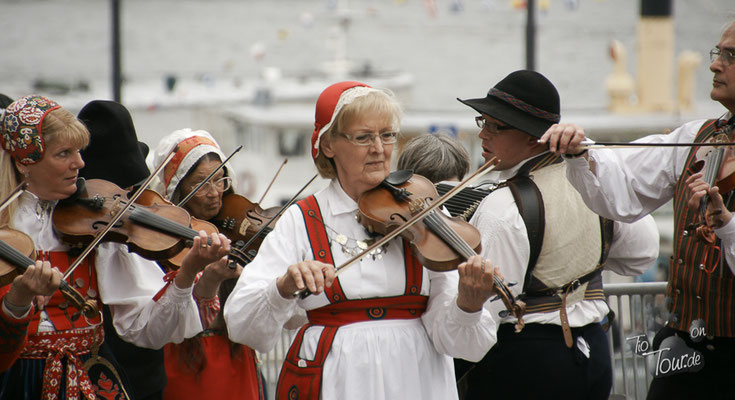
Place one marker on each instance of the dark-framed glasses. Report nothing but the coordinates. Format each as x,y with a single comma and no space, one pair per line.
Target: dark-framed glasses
367,139
491,127
220,185
727,56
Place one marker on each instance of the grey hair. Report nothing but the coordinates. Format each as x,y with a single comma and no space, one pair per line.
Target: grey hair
436,157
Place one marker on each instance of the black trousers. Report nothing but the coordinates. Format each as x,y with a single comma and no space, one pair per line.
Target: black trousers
716,380
536,364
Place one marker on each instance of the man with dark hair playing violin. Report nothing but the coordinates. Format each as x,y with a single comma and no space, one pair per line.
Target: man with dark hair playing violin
536,228
628,184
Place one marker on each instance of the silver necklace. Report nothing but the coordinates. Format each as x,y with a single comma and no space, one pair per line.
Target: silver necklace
352,247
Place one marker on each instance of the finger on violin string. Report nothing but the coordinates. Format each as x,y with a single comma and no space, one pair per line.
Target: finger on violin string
694,177
205,241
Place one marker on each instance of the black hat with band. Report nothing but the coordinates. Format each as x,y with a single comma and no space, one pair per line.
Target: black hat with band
524,99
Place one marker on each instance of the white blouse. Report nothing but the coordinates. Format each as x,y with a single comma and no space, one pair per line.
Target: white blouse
126,283
389,359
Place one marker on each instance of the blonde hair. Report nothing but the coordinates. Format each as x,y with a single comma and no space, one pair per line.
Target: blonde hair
381,102
58,125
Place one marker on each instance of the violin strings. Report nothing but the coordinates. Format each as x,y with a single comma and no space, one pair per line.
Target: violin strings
154,220
443,230
15,257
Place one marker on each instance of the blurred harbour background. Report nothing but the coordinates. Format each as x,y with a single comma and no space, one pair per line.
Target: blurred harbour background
458,49
249,71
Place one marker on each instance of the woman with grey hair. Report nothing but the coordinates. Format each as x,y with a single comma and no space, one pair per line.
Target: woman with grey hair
435,157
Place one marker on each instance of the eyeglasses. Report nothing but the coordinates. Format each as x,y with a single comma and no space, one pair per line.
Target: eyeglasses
220,185
491,127
727,56
368,139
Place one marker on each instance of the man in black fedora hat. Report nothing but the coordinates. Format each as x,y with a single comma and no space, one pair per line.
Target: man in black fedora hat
115,154
536,228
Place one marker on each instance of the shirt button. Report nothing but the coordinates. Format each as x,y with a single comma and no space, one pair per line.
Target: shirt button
701,267
680,261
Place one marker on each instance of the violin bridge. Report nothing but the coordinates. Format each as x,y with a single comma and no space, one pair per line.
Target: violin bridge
116,207
244,227
416,205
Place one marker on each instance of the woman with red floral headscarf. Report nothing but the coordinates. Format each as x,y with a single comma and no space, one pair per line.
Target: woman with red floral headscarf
41,145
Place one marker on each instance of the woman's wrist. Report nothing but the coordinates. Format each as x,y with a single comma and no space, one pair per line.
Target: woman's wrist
16,311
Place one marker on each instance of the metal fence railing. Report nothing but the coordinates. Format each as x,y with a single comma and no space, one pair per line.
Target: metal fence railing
639,309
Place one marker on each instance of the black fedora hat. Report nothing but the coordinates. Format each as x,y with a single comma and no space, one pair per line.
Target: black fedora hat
114,152
524,99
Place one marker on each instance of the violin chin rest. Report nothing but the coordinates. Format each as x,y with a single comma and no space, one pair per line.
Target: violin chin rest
396,178
81,188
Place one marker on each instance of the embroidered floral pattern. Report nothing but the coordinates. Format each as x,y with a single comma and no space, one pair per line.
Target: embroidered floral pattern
20,125
107,389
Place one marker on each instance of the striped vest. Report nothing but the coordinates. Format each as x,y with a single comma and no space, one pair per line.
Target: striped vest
701,284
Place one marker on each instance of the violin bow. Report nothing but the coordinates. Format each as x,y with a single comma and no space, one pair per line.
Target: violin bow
285,160
485,168
205,180
119,214
278,214
13,195
588,144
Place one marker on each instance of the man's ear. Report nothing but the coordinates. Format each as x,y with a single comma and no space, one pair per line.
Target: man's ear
326,146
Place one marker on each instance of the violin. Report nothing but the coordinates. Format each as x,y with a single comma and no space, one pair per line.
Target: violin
243,221
717,164
17,252
441,243
156,232
151,197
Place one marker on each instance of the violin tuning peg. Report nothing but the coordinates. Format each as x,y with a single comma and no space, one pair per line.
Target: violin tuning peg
503,313
495,298
511,284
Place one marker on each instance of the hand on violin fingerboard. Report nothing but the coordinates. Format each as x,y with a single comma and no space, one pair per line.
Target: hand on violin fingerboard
309,274
476,283
204,251
716,214
38,280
